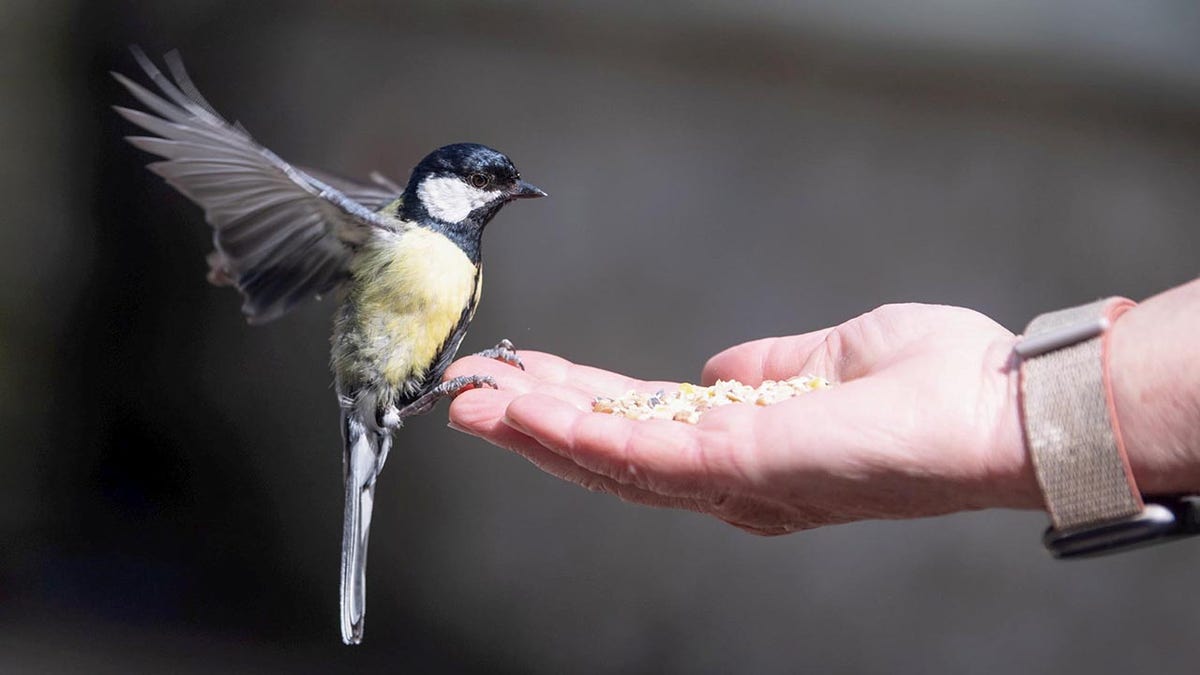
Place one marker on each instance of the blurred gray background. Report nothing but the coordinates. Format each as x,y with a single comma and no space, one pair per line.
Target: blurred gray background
718,171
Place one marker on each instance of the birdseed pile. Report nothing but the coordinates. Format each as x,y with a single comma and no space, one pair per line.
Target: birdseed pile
690,401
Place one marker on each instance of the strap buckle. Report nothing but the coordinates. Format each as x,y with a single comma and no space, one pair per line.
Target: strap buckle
1031,346
1165,520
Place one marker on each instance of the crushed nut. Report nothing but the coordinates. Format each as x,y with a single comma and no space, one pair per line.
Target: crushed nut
689,401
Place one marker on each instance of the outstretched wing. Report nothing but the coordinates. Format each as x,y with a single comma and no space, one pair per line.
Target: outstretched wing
280,234
381,193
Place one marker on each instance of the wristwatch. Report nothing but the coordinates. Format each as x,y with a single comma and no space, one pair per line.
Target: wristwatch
1074,439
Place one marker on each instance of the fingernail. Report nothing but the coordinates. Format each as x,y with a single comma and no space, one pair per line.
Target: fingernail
456,427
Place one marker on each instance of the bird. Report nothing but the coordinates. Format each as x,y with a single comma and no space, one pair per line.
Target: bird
405,261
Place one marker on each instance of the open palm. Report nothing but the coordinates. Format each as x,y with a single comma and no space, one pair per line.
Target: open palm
922,420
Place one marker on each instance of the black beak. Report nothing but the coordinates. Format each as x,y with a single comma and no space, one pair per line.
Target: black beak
524,190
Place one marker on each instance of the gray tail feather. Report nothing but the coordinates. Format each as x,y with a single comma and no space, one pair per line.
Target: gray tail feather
366,449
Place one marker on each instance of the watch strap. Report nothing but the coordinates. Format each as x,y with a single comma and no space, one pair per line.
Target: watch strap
1070,424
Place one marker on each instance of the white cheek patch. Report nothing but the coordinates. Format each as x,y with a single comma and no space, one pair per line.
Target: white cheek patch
450,200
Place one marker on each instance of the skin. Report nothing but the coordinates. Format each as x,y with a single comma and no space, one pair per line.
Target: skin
924,420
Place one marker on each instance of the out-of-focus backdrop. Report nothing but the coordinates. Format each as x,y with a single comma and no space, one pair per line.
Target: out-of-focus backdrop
718,171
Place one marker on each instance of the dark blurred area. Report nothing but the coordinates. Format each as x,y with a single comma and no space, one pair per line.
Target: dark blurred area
718,171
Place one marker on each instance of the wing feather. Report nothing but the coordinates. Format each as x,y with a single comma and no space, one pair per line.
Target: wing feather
281,234
374,197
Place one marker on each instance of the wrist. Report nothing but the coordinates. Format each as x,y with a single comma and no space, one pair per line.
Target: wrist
1154,365
1012,473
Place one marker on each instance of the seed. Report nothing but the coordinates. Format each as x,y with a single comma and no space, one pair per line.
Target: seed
689,401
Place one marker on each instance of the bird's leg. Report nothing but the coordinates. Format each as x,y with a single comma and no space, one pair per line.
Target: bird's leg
448,388
503,351
390,419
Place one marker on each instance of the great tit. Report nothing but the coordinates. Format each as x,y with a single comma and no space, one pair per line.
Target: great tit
406,263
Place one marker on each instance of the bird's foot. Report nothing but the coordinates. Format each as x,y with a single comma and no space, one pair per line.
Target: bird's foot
503,351
449,388
454,386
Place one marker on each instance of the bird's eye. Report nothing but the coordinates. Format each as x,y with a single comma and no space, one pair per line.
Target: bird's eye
478,180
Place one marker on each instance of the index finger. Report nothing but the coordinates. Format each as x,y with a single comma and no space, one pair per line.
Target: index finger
665,457
596,381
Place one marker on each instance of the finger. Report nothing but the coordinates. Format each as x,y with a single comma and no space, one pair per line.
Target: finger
664,457
476,414
597,381
515,380
551,369
473,416
503,373
564,469
511,382
775,358
759,531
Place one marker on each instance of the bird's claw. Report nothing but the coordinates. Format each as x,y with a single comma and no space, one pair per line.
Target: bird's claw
455,386
450,388
503,351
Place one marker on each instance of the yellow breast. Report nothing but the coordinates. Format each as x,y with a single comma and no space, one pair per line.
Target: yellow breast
413,289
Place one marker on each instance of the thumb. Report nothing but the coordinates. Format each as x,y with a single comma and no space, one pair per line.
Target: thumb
774,358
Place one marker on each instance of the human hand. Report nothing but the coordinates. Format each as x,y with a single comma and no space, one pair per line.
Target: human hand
922,420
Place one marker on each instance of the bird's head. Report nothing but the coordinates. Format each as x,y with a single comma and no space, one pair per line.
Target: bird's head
464,184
